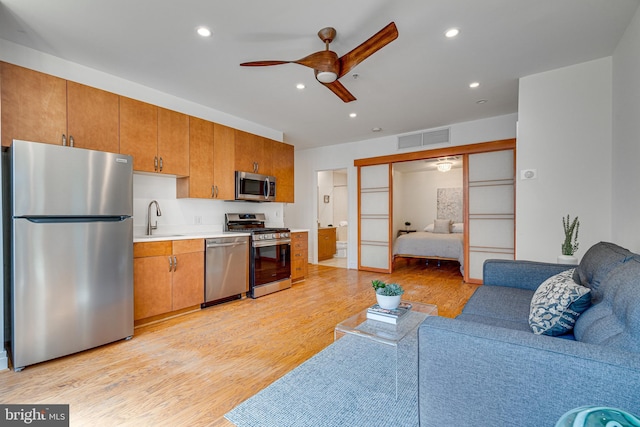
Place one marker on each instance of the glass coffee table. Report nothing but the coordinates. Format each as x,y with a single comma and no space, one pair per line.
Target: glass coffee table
385,333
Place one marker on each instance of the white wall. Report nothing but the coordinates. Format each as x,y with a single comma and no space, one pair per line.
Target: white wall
418,196
626,139
325,188
565,132
303,213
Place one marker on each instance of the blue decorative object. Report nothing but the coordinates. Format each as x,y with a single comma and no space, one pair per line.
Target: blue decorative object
597,416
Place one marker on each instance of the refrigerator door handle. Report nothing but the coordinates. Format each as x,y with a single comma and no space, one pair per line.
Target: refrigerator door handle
72,219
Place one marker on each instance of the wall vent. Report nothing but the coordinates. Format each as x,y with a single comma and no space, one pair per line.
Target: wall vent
422,139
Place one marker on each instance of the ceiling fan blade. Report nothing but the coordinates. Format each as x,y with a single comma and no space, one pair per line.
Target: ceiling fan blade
342,92
263,63
368,48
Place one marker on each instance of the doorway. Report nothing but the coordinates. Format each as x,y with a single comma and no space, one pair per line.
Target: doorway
333,214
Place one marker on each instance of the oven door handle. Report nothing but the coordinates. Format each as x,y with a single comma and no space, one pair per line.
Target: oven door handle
263,243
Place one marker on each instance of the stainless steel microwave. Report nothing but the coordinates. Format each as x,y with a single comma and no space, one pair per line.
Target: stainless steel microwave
255,187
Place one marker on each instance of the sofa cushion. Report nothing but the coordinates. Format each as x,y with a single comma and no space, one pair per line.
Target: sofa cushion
615,321
522,325
500,302
557,303
596,264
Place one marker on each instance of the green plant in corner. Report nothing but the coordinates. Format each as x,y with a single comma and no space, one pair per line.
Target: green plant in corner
570,235
391,289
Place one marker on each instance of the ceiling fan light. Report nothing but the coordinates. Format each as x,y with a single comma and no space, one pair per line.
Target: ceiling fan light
326,76
444,166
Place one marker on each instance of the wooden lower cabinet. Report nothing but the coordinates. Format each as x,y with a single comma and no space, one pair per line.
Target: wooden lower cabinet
326,243
299,255
167,276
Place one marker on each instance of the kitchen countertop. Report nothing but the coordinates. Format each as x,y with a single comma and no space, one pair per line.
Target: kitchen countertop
185,235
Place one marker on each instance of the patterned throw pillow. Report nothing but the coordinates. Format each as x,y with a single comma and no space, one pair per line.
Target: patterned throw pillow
557,303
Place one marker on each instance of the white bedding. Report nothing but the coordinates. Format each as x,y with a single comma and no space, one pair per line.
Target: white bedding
427,245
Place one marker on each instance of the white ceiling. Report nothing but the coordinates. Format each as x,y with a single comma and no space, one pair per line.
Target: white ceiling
419,81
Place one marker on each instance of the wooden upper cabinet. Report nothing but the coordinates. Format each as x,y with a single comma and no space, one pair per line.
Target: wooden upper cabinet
139,133
34,106
199,184
93,118
43,108
173,142
223,162
249,152
157,138
283,169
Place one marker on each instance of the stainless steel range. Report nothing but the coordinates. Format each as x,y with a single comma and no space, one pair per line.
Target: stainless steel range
270,253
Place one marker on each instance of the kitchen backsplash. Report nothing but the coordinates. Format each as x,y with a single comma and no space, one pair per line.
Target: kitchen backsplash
190,214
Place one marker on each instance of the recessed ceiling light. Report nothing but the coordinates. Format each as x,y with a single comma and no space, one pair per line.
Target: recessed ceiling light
481,101
203,31
474,85
452,32
376,130
300,86
352,115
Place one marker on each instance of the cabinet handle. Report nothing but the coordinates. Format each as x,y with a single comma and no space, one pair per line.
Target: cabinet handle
71,143
170,264
216,191
64,139
213,191
175,263
160,164
155,163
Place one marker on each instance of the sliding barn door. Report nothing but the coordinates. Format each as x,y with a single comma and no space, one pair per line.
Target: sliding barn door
374,211
490,210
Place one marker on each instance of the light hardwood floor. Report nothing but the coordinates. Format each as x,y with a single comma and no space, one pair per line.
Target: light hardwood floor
191,370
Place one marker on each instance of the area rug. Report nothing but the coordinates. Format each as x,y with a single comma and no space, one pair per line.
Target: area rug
352,382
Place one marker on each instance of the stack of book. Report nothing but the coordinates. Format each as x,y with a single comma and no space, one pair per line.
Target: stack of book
393,316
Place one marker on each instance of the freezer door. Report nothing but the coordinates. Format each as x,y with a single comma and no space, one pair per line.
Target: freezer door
72,287
53,180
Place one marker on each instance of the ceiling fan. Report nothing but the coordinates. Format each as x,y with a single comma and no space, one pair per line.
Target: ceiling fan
328,67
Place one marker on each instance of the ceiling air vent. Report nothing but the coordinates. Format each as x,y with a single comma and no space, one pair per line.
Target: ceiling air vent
421,139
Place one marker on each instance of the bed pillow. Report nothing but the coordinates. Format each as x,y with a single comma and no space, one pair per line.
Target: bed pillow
557,303
429,228
442,226
457,227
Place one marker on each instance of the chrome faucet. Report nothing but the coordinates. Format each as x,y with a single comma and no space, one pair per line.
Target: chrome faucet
150,227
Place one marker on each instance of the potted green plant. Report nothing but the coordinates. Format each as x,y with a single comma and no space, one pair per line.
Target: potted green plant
387,295
570,244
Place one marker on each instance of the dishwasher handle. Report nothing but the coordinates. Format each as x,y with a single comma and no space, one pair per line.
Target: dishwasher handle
224,245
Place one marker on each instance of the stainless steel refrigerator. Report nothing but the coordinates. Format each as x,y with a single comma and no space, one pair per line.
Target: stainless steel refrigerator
71,250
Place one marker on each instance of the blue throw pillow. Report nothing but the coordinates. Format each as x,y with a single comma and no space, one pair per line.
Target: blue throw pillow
557,303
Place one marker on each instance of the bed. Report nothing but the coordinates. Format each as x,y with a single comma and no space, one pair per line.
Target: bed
443,239
429,245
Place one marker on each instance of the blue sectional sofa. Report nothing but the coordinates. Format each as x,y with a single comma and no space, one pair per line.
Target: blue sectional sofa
487,367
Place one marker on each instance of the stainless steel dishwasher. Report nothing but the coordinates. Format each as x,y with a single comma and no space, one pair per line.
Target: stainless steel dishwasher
226,269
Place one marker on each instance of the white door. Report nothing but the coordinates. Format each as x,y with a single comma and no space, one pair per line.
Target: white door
491,210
